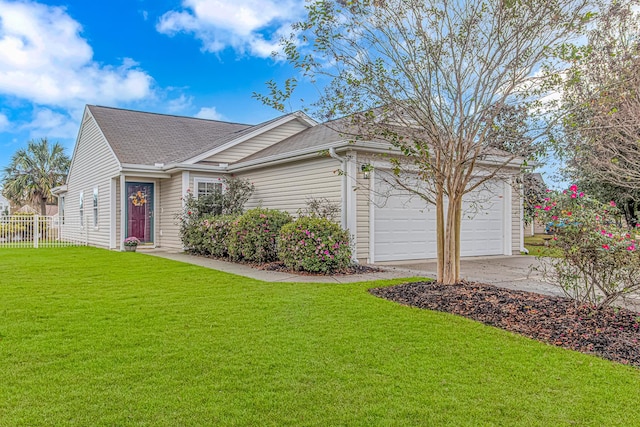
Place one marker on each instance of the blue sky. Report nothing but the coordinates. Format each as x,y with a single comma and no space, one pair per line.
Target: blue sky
199,58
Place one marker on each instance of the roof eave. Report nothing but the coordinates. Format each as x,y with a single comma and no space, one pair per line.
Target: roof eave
56,191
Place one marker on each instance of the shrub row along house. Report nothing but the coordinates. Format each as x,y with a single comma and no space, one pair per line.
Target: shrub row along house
130,171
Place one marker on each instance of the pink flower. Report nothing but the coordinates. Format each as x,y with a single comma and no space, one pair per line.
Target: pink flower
603,232
597,217
568,213
573,188
546,199
548,190
555,218
564,192
631,248
612,203
538,207
547,208
574,195
605,247
581,194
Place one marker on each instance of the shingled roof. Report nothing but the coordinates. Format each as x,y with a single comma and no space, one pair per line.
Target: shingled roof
147,138
308,138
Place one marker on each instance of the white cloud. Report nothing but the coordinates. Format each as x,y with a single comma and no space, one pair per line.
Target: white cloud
53,124
180,104
209,113
44,60
252,26
4,122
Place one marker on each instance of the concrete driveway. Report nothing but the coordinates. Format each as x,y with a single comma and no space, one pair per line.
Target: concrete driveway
513,272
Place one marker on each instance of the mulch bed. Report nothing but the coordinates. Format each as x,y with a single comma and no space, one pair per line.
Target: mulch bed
353,269
611,333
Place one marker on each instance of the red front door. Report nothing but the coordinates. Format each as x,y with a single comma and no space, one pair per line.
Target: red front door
140,211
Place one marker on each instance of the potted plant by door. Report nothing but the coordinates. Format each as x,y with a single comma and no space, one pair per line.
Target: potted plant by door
131,244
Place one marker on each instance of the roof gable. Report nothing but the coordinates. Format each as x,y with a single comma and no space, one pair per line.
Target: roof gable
253,132
308,139
148,138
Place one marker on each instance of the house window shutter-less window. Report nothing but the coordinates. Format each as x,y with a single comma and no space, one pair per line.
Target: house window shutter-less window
95,207
62,209
206,188
81,209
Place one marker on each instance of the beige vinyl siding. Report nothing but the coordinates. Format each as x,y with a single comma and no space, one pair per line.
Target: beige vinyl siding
362,217
170,206
258,143
516,224
94,164
288,187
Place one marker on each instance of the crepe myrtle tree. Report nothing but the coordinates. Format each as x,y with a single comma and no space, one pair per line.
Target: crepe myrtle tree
438,80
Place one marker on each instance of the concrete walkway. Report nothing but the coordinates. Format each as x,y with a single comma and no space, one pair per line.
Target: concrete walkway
510,272
278,276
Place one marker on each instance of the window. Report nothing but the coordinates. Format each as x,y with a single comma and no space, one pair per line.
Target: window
95,207
207,186
81,209
62,209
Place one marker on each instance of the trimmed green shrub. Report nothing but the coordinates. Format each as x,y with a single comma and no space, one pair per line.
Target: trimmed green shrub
254,235
315,245
216,232
208,235
193,235
193,232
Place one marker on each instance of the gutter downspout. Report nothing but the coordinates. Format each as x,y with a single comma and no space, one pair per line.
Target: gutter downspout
343,189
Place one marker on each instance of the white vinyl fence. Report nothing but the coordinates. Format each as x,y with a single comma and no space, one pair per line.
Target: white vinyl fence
36,231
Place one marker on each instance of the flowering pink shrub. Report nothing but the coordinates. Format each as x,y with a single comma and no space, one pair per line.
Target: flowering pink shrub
600,261
253,235
315,245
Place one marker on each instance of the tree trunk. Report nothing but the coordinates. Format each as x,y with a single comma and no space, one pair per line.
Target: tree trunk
451,261
43,206
440,235
451,273
457,226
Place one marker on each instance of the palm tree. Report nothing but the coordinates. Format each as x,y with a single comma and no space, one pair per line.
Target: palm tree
34,171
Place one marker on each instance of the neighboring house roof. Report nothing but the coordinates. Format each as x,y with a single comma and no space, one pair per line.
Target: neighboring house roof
51,210
148,138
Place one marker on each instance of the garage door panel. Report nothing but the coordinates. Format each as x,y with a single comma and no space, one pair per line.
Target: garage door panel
405,225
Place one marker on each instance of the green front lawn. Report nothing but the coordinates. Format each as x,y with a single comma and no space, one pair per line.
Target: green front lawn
537,247
91,337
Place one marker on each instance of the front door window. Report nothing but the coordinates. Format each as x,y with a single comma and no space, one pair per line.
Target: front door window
140,211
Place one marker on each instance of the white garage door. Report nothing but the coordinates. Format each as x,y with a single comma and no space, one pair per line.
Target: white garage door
404,226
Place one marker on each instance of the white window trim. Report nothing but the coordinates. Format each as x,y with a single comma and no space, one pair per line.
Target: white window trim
63,205
198,180
81,210
94,204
